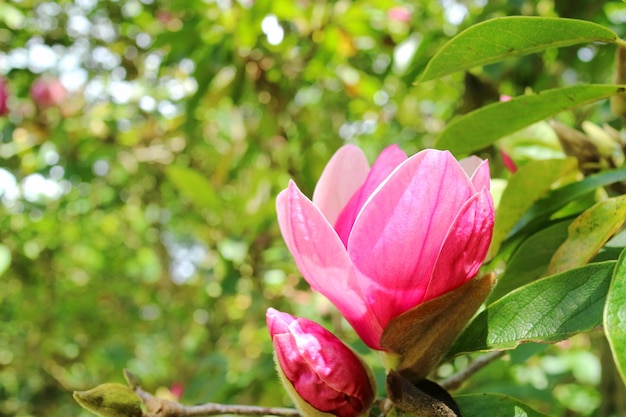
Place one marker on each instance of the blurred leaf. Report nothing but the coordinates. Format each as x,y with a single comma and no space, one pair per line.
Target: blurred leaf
615,315
193,185
11,16
588,233
531,259
485,125
5,258
508,37
526,186
480,405
548,310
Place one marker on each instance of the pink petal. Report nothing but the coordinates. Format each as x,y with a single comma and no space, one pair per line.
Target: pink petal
342,177
465,247
478,170
323,260
481,178
399,233
386,162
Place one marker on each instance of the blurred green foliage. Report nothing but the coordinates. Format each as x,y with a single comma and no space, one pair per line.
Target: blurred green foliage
137,225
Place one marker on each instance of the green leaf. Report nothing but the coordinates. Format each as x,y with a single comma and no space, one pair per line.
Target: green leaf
480,405
526,186
548,310
531,259
487,124
5,258
193,185
508,37
558,198
588,233
615,315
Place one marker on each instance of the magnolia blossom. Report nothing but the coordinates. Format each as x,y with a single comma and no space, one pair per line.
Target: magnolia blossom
378,241
318,368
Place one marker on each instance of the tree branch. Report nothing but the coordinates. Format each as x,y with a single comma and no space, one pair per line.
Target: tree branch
455,381
160,407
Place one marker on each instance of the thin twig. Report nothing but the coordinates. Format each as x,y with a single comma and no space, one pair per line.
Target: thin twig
457,379
160,407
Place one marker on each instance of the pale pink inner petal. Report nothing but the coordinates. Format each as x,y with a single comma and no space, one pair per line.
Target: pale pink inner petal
344,174
399,233
323,261
465,247
386,162
482,176
470,164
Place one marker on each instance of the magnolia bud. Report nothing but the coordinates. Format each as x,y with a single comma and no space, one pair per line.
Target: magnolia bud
47,92
110,400
322,375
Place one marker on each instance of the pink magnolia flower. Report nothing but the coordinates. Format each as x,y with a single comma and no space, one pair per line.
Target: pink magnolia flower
378,241
319,368
4,97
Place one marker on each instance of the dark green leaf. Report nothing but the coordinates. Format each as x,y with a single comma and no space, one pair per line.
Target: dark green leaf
548,310
484,126
615,315
531,259
588,233
507,37
558,198
481,405
527,185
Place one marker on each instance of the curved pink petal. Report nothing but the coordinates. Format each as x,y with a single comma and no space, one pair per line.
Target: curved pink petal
386,162
399,233
323,260
344,174
465,247
481,178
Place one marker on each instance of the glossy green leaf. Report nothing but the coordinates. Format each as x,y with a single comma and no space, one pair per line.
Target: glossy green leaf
531,259
527,185
508,37
487,124
481,405
588,233
615,315
193,185
551,309
558,198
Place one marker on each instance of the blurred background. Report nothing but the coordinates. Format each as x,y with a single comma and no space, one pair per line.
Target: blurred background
142,145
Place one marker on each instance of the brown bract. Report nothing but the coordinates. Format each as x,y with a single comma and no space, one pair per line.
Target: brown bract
424,334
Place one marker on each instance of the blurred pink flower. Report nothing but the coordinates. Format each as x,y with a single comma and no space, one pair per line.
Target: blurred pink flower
378,242
4,97
399,13
319,368
47,92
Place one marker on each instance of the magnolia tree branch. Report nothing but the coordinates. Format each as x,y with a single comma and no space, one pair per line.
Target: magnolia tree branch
159,407
455,381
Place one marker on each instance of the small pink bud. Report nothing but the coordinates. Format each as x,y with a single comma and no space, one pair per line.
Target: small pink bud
508,162
4,97
47,92
321,374
177,389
